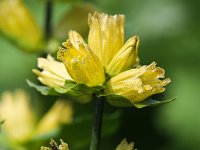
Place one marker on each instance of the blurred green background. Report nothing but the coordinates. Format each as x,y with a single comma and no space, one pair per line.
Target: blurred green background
169,32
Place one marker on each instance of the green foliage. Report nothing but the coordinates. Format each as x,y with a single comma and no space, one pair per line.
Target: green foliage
82,94
119,101
77,92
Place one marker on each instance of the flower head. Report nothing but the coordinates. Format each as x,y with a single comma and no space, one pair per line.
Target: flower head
54,145
20,123
81,63
19,119
109,62
17,23
124,145
138,84
106,35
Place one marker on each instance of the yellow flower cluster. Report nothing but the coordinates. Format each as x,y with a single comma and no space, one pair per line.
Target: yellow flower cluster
124,145
20,121
106,61
55,146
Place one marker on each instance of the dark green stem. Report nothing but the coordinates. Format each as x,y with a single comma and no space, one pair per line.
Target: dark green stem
48,19
47,25
97,122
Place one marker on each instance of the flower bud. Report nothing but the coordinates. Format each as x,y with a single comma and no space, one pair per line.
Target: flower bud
106,35
60,113
125,59
138,84
15,108
17,23
124,145
81,63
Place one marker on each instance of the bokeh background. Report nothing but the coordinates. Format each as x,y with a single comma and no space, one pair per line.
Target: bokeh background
170,34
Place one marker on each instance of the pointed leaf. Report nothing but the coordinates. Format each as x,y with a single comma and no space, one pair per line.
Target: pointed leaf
73,91
120,101
152,102
44,90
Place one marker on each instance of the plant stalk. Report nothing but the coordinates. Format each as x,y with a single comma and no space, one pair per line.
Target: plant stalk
97,122
48,19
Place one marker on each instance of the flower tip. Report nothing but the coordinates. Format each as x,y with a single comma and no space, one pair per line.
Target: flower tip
133,42
60,54
137,39
36,72
166,81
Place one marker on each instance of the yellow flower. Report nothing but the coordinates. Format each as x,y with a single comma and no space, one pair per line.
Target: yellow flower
17,23
20,121
81,63
138,84
53,74
62,146
124,145
107,55
53,118
106,35
106,38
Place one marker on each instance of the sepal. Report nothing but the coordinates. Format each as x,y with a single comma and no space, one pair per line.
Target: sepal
78,92
120,101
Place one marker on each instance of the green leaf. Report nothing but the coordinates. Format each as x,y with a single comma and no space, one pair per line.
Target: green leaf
73,91
120,101
79,96
44,90
152,102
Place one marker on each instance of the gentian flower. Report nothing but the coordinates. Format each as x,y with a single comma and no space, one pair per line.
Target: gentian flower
106,65
20,121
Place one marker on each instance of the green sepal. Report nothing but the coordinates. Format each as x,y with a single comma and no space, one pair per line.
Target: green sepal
78,92
45,90
120,101
151,101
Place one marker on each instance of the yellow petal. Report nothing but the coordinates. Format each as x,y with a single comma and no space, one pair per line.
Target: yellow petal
124,145
17,23
125,59
138,84
61,112
62,146
82,64
53,74
106,35
75,38
19,119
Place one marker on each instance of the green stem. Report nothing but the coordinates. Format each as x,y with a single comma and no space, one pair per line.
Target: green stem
47,25
48,19
96,129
